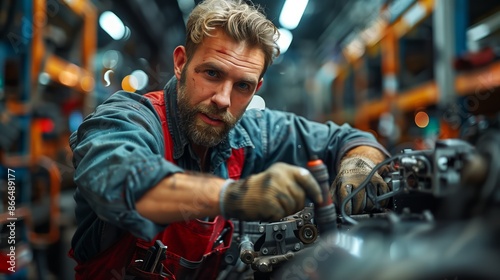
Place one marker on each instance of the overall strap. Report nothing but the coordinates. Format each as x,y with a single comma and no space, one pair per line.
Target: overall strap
157,98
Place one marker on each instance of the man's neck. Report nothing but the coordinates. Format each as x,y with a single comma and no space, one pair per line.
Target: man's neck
201,152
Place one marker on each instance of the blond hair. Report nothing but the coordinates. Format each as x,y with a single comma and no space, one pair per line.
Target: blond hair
239,20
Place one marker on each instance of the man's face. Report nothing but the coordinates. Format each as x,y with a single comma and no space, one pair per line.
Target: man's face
216,86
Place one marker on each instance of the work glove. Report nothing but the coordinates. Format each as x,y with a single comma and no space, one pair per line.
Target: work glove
279,191
353,171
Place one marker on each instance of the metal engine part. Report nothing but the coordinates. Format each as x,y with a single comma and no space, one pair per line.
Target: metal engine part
279,241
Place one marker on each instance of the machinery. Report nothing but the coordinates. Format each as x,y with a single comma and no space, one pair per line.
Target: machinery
442,223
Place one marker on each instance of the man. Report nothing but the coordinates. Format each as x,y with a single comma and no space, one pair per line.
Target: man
176,165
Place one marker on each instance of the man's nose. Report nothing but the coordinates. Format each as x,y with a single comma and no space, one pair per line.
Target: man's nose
222,98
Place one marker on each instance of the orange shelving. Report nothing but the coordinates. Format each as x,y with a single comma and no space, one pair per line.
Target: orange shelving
426,94
78,77
393,98
478,80
69,74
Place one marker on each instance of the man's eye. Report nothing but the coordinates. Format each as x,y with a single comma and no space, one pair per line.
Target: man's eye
243,86
211,73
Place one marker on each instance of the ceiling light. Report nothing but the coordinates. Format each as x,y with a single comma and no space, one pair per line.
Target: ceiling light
186,6
129,83
292,13
478,32
284,40
112,24
422,119
141,78
257,102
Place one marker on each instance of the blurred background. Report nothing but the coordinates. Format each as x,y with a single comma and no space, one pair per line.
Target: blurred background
408,71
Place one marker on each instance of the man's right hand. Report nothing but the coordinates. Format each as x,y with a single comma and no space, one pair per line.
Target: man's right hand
279,191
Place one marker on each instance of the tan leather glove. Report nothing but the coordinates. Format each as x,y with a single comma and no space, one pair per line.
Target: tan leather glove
353,171
270,195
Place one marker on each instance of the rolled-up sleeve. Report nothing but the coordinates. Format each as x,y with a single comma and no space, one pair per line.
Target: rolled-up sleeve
118,154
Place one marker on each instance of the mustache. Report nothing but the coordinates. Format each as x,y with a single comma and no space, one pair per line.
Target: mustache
221,114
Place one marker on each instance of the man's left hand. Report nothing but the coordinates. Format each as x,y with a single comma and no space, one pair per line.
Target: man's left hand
353,171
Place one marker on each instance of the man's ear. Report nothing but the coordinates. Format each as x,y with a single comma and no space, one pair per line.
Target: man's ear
180,59
259,84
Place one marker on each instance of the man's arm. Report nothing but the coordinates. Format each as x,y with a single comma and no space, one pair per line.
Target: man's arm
280,136
279,191
181,197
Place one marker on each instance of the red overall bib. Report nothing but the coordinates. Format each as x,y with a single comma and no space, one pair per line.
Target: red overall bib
191,253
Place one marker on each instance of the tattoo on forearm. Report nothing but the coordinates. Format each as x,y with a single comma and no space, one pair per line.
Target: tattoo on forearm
266,182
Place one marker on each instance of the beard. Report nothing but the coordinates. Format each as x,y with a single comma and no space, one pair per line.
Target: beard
202,133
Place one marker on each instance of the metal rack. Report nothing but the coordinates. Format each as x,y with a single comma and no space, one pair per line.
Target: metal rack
450,38
25,49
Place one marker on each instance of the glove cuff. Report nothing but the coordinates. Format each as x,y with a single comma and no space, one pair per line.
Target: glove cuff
352,162
222,194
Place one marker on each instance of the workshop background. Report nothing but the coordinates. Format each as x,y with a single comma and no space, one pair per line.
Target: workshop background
408,71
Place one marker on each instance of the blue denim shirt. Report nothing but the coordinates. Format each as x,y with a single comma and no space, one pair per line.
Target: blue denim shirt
118,153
